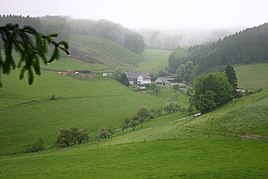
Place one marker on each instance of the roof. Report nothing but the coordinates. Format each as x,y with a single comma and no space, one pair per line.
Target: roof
161,79
136,74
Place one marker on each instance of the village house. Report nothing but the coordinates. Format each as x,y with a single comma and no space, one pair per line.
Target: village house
139,78
163,81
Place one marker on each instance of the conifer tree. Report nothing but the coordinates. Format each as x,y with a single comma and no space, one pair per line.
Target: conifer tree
31,46
231,76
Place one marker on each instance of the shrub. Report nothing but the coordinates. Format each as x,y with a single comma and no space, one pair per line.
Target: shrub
171,108
71,136
105,133
35,147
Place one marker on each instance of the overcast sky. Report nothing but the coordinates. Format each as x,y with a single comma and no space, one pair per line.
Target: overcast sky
160,14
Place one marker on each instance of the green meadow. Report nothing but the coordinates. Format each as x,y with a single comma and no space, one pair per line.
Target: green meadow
155,60
180,149
27,112
253,76
230,142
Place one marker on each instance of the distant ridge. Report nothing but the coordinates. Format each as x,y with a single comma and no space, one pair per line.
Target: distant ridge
244,47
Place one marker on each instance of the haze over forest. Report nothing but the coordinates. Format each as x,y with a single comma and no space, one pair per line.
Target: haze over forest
169,23
137,14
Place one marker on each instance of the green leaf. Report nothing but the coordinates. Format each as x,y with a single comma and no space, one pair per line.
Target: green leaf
65,44
52,35
22,72
30,76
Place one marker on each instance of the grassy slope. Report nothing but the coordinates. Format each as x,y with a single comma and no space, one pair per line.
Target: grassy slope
202,147
188,148
106,51
67,63
27,113
252,76
155,60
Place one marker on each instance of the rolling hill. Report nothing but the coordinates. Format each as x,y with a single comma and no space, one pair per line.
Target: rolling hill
187,148
245,47
98,50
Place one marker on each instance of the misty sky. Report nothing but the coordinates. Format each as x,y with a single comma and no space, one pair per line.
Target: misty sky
160,14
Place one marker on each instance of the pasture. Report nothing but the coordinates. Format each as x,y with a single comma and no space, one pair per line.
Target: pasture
155,60
182,149
27,112
253,76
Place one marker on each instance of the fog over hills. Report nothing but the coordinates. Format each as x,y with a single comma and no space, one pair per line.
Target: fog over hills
171,39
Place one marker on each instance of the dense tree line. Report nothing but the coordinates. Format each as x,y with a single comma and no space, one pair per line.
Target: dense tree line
64,26
109,30
56,24
45,25
248,46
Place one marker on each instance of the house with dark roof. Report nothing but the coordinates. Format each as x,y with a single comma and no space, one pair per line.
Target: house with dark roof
138,78
163,81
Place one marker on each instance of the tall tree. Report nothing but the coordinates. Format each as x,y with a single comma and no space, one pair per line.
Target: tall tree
211,91
231,76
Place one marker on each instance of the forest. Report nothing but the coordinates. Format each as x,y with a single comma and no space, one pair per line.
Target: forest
244,47
64,26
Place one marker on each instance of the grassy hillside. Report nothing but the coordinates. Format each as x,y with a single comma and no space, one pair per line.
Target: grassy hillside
254,76
68,63
187,148
103,51
27,112
155,60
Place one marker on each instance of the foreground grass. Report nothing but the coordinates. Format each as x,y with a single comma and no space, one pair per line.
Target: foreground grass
186,148
201,157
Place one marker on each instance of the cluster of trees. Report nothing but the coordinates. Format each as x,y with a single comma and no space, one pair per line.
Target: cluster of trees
248,46
45,25
56,24
109,30
186,72
145,115
174,60
121,77
214,89
142,116
71,136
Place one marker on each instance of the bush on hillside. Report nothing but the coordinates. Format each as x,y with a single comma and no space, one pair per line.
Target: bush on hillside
171,107
35,147
105,133
71,136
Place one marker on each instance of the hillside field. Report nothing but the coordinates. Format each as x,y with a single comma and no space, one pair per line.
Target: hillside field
27,112
253,76
155,60
187,148
230,142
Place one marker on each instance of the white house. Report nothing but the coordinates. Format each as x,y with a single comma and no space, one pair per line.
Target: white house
140,78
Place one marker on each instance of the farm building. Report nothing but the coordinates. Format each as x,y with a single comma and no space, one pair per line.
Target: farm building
163,81
138,78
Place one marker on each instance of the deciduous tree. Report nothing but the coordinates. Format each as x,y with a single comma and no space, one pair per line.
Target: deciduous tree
211,91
